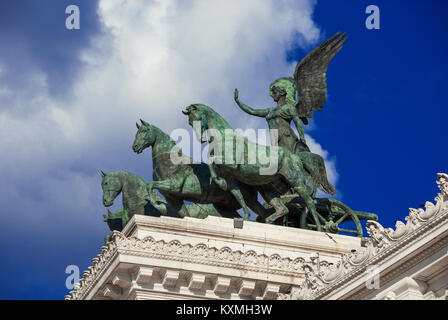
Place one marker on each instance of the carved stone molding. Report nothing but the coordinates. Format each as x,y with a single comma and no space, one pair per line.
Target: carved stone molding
201,253
99,266
384,242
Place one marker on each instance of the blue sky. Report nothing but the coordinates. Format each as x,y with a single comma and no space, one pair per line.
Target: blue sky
69,100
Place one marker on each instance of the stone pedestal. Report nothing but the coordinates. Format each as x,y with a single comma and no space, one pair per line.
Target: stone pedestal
212,258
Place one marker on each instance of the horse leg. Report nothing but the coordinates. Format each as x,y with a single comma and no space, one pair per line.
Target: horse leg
169,185
309,204
236,192
257,208
274,200
280,210
178,206
250,194
221,182
225,212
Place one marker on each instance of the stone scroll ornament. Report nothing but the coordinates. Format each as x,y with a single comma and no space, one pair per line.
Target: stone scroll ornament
382,241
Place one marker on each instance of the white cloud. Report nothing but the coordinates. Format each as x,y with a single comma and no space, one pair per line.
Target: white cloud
154,59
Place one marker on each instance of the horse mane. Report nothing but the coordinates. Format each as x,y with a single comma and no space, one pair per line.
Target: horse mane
130,174
163,133
126,175
213,113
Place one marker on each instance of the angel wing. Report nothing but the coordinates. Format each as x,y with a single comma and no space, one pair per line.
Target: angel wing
310,78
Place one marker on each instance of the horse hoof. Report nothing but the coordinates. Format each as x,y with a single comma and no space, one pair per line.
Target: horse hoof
162,209
269,220
222,185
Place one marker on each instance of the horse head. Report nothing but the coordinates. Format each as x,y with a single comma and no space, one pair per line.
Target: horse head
144,138
198,119
112,186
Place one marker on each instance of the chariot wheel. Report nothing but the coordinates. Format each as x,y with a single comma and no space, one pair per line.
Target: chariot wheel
332,216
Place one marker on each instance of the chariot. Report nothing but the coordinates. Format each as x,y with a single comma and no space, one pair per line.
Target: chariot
333,216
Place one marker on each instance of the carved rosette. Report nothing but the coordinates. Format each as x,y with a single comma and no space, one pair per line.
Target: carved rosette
382,241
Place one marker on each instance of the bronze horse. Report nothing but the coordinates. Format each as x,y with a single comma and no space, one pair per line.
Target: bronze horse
189,181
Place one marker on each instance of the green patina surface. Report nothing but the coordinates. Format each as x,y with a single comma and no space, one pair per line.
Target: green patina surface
135,200
221,187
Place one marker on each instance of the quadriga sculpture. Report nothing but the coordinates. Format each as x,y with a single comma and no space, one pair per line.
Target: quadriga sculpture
189,181
289,189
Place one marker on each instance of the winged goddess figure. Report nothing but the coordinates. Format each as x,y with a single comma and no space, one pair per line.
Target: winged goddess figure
310,84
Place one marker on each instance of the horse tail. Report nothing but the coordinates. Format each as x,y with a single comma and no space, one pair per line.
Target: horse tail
322,179
314,164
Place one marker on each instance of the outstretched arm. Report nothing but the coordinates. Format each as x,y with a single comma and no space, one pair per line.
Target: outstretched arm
255,112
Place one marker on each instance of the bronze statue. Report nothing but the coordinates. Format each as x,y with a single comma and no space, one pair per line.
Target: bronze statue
288,182
310,82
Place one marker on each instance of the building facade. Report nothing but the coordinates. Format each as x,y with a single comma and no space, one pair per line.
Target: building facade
218,258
